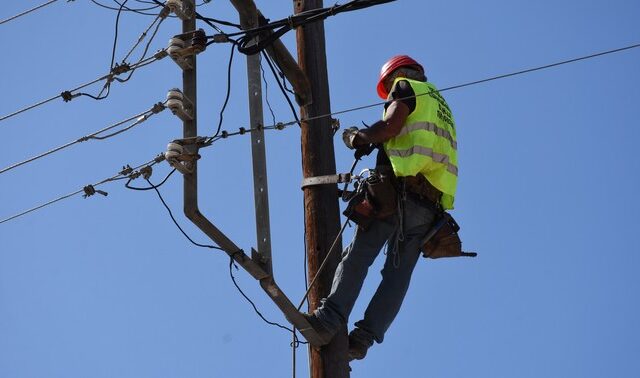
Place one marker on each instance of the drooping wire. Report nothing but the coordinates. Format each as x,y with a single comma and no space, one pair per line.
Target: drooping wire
266,95
28,11
128,183
226,99
140,118
155,187
284,92
255,308
69,95
119,176
126,9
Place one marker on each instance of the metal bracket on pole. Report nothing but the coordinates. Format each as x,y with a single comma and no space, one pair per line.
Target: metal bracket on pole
256,268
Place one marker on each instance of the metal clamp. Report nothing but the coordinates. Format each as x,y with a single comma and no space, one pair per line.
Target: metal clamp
327,179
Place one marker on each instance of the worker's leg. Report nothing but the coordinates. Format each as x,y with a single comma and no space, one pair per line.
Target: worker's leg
351,272
396,274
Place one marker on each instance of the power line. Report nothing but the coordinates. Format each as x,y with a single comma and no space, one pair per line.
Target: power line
155,187
247,45
115,69
69,95
29,11
89,190
141,117
281,125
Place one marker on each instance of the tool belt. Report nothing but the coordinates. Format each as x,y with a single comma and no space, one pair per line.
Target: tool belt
421,187
443,240
375,198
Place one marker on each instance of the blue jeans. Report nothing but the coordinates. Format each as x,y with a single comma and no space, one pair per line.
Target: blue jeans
403,232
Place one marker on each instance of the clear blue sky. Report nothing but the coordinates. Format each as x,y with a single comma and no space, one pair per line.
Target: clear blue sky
108,287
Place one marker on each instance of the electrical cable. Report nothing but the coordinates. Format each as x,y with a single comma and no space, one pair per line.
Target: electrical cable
226,99
155,187
125,9
282,125
146,48
121,175
28,11
68,95
246,45
150,187
142,37
284,92
266,95
141,117
134,10
296,342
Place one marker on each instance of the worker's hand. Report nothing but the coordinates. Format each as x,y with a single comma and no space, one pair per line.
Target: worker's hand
349,136
364,150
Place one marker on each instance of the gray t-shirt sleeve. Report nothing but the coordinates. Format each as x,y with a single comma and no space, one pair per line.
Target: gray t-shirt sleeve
403,92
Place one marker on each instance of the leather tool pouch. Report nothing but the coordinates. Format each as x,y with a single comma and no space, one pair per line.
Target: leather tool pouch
376,198
446,241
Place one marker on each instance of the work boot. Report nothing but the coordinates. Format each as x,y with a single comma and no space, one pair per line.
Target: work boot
324,334
359,342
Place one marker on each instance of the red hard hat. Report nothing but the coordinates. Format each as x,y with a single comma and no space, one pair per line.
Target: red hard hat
390,66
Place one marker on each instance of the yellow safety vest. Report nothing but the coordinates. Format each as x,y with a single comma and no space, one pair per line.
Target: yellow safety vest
427,142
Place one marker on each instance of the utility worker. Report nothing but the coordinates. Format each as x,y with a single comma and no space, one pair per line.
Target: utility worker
418,137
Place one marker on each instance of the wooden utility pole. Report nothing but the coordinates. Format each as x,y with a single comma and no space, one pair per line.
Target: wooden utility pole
322,213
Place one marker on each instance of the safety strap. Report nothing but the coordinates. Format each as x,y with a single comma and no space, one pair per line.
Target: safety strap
327,179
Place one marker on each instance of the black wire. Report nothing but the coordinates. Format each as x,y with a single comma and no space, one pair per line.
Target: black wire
255,308
226,99
284,93
144,53
135,10
245,43
125,9
149,187
266,95
176,222
115,38
100,96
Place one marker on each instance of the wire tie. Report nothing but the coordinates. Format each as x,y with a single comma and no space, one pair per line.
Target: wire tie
159,158
290,21
126,170
220,38
157,108
259,127
242,131
68,96
160,54
225,134
89,190
120,68
146,172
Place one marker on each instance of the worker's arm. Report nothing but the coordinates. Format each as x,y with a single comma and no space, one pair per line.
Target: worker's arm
385,129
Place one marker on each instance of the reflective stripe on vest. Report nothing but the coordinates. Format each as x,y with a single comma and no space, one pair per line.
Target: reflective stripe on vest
427,142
